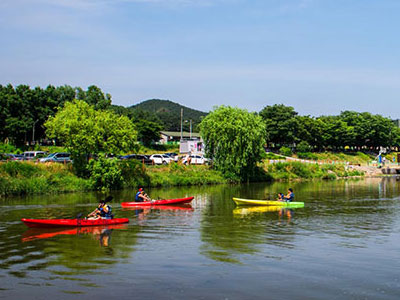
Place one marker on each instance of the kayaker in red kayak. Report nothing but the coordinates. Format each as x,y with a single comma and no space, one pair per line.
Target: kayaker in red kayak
103,210
141,196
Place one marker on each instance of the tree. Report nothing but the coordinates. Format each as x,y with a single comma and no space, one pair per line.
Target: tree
94,96
281,124
148,131
310,130
234,139
84,131
336,133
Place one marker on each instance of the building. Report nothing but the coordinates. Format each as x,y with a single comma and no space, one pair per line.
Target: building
190,143
174,137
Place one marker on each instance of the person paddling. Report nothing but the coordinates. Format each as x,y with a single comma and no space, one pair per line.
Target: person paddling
103,210
141,196
290,196
281,197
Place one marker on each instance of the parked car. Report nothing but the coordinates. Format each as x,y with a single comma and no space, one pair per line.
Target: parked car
173,155
30,155
11,156
159,159
140,157
195,159
62,157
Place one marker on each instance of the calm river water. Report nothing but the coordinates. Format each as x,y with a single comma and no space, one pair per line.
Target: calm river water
344,244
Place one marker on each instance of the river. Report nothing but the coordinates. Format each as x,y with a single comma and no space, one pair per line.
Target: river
344,244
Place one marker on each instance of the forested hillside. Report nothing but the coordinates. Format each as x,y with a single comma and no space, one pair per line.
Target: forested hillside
169,113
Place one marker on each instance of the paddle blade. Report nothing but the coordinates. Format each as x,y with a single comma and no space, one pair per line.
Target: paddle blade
108,199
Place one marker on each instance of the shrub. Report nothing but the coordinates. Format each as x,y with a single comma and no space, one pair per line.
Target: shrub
307,155
7,148
105,174
134,173
274,156
303,146
285,151
18,169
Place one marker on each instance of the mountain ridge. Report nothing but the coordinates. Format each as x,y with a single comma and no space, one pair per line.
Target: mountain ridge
169,112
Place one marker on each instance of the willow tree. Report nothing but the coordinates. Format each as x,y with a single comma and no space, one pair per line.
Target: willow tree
84,130
234,139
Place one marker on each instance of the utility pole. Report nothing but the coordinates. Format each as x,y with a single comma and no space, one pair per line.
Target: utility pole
181,124
33,131
190,128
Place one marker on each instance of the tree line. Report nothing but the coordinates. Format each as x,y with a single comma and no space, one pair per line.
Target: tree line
24,111
285,127
235,138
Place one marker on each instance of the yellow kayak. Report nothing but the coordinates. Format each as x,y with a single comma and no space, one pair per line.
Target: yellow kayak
241,202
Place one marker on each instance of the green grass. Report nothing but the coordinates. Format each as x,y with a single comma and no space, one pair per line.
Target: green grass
19,178
351,157
300,171
177,175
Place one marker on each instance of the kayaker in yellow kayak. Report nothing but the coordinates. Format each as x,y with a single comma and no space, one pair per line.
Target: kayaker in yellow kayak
102,211
290,196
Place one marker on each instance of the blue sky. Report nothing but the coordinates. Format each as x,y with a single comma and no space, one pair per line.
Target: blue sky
320,56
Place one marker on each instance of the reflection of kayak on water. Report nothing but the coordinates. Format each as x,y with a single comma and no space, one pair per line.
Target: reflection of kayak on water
241,211
49,223
45,233
158,202
240,202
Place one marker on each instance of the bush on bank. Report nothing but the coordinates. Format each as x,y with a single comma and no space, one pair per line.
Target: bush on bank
177,174
20,178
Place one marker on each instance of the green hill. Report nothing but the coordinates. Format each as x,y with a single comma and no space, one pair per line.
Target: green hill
170,113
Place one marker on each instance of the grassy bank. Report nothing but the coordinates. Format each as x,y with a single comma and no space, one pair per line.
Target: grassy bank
351,157
20,178
177,174
17,178
296,170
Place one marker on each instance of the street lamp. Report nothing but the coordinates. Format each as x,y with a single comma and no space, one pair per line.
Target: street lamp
190,126
33,130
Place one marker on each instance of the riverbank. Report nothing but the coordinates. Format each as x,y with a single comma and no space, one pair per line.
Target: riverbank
21,178
294,170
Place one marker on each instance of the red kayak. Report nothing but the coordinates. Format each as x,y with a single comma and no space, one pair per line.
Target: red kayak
158,202
72,222
160,207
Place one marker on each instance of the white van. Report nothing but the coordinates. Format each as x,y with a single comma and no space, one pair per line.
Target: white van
30,155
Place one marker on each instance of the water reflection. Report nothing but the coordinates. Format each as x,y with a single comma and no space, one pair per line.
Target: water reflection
339,225
101,233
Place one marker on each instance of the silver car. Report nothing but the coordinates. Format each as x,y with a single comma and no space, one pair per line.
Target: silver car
62,157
